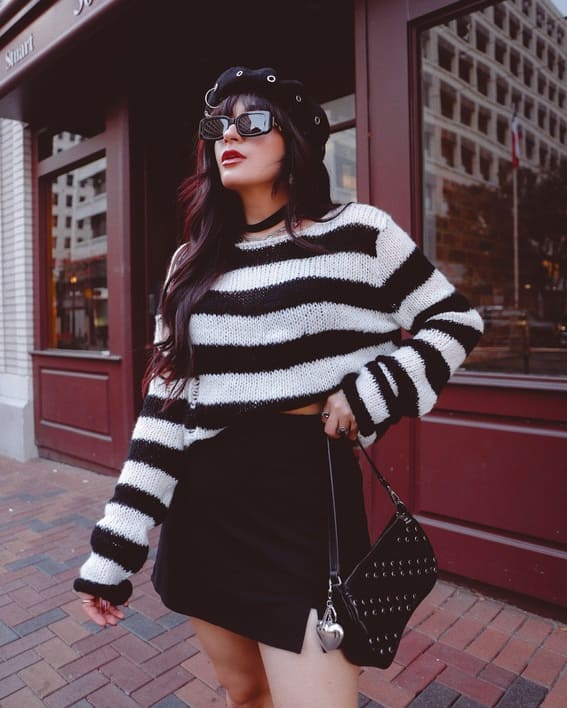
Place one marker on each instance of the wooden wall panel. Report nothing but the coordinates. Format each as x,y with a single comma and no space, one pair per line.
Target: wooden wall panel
77,399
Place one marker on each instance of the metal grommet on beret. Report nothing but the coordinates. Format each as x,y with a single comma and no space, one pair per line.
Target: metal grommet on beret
306,114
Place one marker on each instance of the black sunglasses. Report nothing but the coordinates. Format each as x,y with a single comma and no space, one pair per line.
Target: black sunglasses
248,125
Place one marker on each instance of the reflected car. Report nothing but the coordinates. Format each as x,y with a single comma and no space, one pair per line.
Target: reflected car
561,332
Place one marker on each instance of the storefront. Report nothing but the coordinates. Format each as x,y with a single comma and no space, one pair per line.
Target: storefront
421,97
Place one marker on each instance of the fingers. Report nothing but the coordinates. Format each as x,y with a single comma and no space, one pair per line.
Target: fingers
338,417
101,611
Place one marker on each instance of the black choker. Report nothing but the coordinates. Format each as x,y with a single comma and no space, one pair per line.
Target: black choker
267,223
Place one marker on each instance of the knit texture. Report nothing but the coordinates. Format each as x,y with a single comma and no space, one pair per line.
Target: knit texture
282,328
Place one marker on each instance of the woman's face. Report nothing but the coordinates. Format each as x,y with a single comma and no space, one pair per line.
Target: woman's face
246,164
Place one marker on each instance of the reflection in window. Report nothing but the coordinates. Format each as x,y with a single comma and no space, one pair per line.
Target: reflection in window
495,221
340,154
51,142
79,291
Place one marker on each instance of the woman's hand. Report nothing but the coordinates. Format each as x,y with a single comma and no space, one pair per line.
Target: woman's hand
338,417
101,611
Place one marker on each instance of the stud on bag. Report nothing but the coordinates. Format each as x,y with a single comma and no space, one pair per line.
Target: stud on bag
367,613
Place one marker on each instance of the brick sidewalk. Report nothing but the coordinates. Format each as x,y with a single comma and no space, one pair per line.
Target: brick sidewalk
462,649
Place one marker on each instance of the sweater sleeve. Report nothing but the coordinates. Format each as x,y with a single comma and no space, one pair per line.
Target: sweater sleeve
141,497
444,329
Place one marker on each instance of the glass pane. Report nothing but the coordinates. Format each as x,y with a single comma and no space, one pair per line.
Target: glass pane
340,160
79,291
340,155
50,142
494,129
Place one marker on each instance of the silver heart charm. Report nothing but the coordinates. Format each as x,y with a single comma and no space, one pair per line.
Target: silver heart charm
329,631
330,634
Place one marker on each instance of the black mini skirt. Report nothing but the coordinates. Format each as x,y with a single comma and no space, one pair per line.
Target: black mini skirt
245,542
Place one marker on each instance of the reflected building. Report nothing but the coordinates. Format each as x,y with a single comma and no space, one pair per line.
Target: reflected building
478,71
79,244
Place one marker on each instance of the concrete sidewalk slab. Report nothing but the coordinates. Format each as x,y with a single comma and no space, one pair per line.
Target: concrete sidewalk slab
462,648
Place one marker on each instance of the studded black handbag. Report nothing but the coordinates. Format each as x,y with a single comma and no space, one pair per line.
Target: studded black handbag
367,613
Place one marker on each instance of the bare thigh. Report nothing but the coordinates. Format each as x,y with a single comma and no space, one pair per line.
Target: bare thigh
312,678
237,663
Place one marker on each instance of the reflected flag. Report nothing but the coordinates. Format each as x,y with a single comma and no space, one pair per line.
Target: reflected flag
516,129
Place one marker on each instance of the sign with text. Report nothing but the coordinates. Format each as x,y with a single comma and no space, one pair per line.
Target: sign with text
46,33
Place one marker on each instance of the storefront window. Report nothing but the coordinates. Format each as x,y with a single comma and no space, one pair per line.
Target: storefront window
340,155
495,178
51,142
79,292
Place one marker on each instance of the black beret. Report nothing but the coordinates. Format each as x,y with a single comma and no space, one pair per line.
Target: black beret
305,112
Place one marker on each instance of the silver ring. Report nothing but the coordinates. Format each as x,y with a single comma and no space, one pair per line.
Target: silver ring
342,431
325,415
89,601
207,96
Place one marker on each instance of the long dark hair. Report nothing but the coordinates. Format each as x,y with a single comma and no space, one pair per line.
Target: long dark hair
214,221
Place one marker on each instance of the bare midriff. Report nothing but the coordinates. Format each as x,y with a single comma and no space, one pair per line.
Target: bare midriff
311,409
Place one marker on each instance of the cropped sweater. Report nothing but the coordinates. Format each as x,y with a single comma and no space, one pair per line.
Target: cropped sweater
281,328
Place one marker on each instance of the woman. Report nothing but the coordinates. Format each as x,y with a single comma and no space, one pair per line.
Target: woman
280,324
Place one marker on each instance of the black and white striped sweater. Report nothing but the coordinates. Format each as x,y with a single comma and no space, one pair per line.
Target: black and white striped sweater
282,328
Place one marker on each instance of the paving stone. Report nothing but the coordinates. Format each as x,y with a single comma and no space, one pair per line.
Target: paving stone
24,562
136,649
19,645
38,525
171,620
75,691
515,655
41,620
436,695
163,686
459,602
177,654
437,623
51,567
197,695
488,643
142,627
497,676
126,675
9,685
465,702
200,666
45,540
462,633
455,657
56,652
412,645
17,663
419,673
22,699
110,696
170,702
174,636
544,667
7,635
471,686
508,620
12,614
370,704
523,694
85,664
42,678
534,630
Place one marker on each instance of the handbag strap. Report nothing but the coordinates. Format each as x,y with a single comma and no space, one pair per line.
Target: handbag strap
334,566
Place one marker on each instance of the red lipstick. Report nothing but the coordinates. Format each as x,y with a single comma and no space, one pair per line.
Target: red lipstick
231,155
